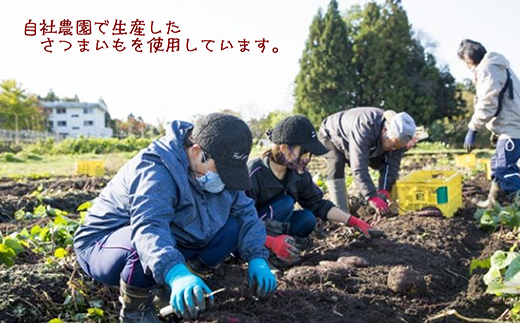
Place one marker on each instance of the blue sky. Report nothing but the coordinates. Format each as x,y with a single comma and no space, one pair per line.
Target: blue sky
166,86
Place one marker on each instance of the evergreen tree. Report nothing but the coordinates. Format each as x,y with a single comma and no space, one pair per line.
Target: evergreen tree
324,84
393,69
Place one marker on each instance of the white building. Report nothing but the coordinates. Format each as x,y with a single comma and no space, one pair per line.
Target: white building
72,119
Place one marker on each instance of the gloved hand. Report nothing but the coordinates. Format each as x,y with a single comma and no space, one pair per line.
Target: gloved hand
261,279
411,143
384,194
283,246
379,204
365,228
276,228
469,141
187,297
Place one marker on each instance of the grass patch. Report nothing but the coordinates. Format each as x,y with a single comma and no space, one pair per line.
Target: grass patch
56,165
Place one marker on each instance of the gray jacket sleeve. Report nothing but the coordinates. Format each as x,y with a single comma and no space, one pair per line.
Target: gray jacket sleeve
251,237
152,196
361,137
490,82
389,169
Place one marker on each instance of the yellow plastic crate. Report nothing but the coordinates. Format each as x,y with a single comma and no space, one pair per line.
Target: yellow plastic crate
485,163
442,189
467,160
90,167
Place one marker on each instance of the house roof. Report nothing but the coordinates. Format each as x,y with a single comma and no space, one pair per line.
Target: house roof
66,104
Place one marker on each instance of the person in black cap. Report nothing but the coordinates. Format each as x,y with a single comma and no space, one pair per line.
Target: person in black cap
177,207
279,179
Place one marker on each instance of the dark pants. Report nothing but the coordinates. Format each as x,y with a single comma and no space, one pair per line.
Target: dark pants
114,256
504,168
335,159
281,209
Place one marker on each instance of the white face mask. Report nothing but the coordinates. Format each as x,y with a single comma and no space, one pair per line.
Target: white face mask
210,181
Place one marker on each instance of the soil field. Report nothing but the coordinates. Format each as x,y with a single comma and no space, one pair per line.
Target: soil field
341,278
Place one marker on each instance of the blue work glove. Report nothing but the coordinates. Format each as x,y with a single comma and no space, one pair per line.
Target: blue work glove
187,297
261,279
469,141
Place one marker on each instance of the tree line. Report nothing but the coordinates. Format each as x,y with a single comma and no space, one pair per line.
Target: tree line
371,57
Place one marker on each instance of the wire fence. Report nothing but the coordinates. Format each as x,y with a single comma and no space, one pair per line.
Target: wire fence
26,136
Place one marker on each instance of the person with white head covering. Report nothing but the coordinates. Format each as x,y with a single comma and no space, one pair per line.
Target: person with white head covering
365,137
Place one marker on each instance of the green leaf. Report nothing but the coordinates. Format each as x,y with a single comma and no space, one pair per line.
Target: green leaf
40,210
7,255
56,320
492,276
51,211
488,221
95,313
502,259
503,288
24,233
82,217
85,206
6,260
14,245
60,220
20,214
477,263
479,213
512,271
67,300
35,230
44,234
516,308
60,253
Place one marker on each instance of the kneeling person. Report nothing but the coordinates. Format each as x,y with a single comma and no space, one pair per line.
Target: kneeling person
279,179
176,207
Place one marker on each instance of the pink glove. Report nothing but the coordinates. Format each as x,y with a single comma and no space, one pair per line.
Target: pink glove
379,204
282,246
365,228
411,143
384,193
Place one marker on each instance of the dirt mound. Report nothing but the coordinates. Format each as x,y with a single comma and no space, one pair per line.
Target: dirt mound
31,293
64,193
10,187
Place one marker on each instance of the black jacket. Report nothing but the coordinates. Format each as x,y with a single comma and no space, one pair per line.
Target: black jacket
266,186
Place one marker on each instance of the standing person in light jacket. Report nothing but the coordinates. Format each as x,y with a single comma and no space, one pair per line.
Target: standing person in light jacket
280,179
497,108
362,138
176,207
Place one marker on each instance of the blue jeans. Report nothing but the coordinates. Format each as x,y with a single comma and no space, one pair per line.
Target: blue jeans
504,168
114,256
281,209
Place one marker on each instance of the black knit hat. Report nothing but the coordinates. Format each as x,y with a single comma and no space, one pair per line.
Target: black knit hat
298,130
228,141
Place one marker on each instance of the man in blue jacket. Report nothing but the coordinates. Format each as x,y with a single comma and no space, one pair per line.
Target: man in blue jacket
178,204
